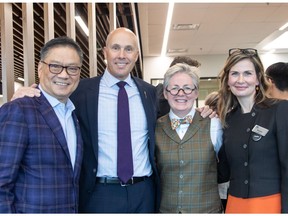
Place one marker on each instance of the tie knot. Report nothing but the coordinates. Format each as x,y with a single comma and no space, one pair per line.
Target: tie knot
175,123
121,84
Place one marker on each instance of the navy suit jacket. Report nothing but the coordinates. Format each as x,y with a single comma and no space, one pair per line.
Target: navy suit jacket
85,99
36,175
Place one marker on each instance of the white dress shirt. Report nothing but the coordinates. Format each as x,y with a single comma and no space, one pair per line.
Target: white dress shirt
107,128
64,114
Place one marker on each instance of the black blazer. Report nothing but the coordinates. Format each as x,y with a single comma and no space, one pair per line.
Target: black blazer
255,164
85,99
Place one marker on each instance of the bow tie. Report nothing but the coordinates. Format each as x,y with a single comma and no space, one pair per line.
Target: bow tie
175,123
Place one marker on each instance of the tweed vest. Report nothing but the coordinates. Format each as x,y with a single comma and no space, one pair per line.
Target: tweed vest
187,168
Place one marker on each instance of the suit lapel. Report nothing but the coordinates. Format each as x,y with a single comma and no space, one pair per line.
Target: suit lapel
79,143
191,131
193,127
150,112
52,121
166,126
92,111
144,98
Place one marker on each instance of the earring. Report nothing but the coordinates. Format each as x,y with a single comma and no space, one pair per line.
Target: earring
257,88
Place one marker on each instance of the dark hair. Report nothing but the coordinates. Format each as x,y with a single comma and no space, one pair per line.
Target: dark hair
63,41
278,73
186,60
212,100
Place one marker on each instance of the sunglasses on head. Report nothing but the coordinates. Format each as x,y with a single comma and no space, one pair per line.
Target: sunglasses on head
247,51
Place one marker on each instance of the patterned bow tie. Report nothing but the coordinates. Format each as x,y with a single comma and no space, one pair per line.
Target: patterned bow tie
175,123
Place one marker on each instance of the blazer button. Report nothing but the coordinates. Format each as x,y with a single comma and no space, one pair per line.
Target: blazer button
245,146
246,182
246,164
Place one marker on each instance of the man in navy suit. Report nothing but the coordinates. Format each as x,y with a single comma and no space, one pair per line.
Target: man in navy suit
40,142
95,100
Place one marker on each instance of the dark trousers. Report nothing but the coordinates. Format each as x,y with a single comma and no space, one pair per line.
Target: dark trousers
114,198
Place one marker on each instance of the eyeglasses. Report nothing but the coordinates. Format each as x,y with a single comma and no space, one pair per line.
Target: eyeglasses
175,90
247,51
57,69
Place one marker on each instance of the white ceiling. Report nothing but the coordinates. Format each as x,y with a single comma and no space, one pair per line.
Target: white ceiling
222,26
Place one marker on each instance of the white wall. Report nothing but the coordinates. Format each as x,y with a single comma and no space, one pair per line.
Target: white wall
155,67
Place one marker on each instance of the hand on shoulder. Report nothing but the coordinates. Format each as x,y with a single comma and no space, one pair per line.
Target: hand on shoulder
26,91
205,111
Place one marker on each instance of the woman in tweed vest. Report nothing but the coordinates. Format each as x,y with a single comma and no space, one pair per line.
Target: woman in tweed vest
186,152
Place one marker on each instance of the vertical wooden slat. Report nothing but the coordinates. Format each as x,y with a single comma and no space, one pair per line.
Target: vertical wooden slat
28,44
48,21
70,20
92,39
7,50
112,16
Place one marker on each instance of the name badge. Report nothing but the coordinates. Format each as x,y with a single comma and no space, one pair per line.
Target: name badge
260,130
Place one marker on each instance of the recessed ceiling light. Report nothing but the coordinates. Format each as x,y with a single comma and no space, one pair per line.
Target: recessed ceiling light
179,27
21,79
167,28
177,50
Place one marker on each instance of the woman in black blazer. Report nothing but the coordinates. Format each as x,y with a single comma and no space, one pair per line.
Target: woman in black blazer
254,154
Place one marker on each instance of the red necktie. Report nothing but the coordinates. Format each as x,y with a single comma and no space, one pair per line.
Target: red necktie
124,149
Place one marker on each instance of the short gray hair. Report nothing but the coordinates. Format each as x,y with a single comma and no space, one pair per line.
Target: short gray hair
182,68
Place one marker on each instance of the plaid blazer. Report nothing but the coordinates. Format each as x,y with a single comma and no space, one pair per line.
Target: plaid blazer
187,168
36,175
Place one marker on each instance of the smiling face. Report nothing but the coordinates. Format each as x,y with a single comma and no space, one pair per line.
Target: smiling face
182,103
60,85
121,52
242,80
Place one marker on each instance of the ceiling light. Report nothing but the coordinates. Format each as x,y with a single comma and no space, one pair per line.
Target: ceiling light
283,27
167,28
82,25
280,42
177,50
21,79
179,27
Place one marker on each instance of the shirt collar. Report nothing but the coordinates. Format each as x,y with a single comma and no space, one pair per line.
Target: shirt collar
172,115
110,80
54,102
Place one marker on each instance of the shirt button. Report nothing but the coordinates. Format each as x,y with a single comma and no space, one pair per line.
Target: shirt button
245,146
246,182
246,164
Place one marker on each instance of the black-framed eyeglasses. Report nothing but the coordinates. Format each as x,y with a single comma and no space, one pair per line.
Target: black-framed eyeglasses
57,69
247,51
175,90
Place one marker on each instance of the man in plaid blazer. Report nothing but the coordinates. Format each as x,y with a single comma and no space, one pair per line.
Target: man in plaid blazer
40,140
